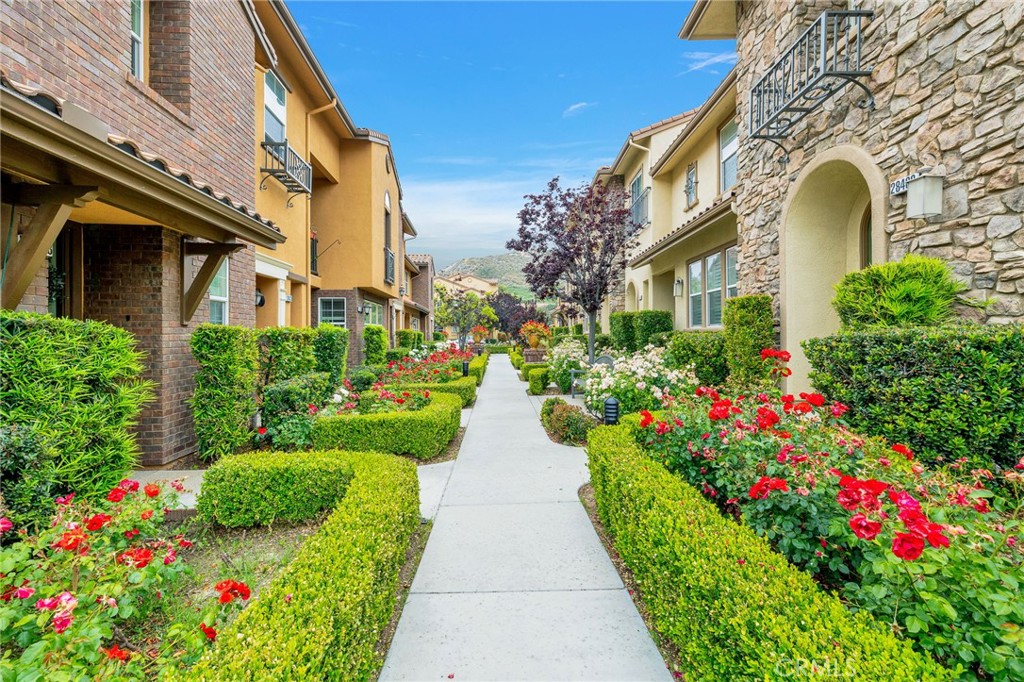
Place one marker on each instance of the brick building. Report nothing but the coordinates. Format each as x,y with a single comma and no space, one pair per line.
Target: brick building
127,175
928,89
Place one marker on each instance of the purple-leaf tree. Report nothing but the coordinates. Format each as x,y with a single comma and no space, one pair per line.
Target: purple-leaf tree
513,312
577,239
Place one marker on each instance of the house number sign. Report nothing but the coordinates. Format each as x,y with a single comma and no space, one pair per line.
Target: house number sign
900,186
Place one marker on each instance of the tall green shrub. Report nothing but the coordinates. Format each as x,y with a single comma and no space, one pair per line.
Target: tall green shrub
648,323
330,348
375,344
409,338
226,384
621,328
705,350
28,484
286,352
77,384
749,328
914,291
952,391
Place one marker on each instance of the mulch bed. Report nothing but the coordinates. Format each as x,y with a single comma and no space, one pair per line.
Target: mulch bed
669,652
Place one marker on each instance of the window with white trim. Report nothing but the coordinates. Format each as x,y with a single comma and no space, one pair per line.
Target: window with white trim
691,184
636,187
374,313
711,280
728,146
138,42
332,311
275,114
219,295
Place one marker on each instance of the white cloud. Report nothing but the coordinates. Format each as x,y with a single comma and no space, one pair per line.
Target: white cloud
577,108
700,61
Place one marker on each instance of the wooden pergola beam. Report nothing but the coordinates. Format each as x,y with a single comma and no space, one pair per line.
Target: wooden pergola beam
192,294
28,254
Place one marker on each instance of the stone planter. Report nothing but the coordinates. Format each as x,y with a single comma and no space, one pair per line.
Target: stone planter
531,355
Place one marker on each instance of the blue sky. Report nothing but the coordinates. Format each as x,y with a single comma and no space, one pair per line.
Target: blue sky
486,101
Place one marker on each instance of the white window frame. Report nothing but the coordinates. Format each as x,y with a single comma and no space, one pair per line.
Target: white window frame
225,267
334,301
376,314
727,151
690,185
727,290
636,186
272,106
138,38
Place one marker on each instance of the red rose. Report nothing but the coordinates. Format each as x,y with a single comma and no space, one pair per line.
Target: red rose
116,495
865,528
262,430
70,540
229,589
902,449
151,490
136,557
765,485
97,521
147,515
210,633
646,419
661,428
838,410
907,546
128,485
116,652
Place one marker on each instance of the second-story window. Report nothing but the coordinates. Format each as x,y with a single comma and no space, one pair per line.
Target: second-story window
274,110
636,187
691,184
728,145
219,295
138,41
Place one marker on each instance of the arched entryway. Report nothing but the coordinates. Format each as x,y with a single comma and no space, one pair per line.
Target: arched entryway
631,305
833,223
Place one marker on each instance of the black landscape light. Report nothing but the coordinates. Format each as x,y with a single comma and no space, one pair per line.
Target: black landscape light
611,411
465,368
479,351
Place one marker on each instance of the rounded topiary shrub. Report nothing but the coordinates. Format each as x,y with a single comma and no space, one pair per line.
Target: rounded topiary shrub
914,291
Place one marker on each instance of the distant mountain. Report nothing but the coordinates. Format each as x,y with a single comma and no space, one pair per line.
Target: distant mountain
506,268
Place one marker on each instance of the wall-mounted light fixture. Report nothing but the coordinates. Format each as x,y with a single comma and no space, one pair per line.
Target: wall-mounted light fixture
261,300
677,288
924,196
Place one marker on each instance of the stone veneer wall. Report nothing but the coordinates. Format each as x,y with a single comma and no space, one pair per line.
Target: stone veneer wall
948,83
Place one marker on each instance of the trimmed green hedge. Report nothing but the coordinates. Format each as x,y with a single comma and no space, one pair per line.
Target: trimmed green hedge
439,336
224,400
538,380
527,367
259,488
955,391
286,352
516,358
478,367
330,348
555,340
705,350
648,323
409,338
375,344
76,387
736,609
499,348
577,329
749,327
621,326
559,331
422,434
464,387
322,616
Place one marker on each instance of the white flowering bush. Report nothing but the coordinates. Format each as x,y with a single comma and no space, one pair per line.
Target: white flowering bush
639,381
565,357
427,349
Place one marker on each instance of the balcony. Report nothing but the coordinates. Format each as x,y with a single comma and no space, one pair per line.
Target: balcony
639,210
314,255
824,60
389,266
282,162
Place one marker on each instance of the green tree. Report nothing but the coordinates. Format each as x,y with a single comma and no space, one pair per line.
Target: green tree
462,311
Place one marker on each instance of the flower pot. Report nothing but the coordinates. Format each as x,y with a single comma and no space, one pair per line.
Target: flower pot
478,337
534,340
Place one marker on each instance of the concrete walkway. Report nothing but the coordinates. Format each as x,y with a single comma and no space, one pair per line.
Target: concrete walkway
514,583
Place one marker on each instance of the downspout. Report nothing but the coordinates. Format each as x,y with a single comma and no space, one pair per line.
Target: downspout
309,203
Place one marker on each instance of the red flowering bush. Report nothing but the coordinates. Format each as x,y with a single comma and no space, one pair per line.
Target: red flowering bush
438,367
67,593
376,400
934,552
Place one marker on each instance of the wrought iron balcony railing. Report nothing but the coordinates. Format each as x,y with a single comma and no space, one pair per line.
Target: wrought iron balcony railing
389,266
282,162
823,60
639,210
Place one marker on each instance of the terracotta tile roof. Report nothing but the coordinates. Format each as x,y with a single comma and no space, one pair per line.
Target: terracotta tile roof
55,105
420,258
720,206
663,123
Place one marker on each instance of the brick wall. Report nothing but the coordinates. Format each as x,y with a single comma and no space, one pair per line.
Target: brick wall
199,111
948,92
354,321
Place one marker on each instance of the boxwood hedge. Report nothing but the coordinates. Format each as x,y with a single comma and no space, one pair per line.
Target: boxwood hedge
527,367
464,387
621,325
322,616
478,367
735,609
748,328
259,488
422,434
954,391
647,323
705,350
539,379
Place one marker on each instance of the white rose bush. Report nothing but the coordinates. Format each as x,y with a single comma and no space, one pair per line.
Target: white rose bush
639,381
